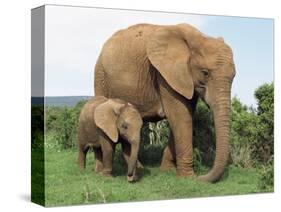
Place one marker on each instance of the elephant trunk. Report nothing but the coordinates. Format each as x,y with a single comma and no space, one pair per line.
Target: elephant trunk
133,161
221,111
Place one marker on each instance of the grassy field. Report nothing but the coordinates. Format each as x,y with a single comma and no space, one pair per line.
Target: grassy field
65,184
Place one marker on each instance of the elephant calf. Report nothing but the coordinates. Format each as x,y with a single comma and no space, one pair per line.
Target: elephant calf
100,123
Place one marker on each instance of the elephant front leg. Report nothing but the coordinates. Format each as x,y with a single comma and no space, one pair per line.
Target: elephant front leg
107,147
179,152
178,111
169,155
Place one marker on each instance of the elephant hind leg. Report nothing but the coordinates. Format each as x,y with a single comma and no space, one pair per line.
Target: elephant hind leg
82,156
169,156
98,160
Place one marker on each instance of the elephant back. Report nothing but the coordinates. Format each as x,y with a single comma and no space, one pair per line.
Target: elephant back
127,66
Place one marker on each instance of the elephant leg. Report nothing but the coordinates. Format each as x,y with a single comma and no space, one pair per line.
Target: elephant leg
169,155
126,149
98,160
107,147
178,111
82,152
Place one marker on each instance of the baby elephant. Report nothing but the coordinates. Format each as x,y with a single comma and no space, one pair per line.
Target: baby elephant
101,121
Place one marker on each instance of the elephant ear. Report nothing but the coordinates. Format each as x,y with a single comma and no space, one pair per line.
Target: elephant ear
169,54
105,116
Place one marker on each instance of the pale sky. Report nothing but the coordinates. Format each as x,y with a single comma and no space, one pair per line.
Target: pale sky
74,37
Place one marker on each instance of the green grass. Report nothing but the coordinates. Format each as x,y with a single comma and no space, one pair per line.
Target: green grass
65,184
37,176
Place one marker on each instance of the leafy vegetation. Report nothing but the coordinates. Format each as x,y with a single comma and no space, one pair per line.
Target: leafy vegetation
251,169
37,125
203,136
63,121
253,135
37,155
264,145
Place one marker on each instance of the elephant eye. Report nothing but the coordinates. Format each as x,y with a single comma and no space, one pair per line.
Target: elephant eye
124,126
205,73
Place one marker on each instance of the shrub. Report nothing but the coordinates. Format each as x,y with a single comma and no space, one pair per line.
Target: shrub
264,146
252,136
203,135
244,132
266,180
37,126
159,133
241,155
197,160
66,129
52,115
63,123
154,138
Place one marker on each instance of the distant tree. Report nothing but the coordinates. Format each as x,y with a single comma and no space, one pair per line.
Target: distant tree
265,144
244,132
252,137
62,121
52,115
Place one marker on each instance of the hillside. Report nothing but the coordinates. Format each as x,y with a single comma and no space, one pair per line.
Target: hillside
59,101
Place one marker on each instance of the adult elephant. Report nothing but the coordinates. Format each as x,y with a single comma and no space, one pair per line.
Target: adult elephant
163,70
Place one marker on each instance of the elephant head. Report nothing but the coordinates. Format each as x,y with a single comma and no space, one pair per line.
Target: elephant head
194,64
116,117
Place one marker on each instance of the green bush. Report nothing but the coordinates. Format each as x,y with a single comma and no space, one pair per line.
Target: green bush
37,126
154,138
66,129
264,146
266,180
203,135
63,121
52,115
244,132
252,131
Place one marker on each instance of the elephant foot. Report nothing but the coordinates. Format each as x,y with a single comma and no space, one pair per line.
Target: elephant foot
203,178
184,173
139,165
98,169
167,165
81,166
132,178
106,174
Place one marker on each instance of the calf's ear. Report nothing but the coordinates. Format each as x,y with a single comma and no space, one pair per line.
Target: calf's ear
105,116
